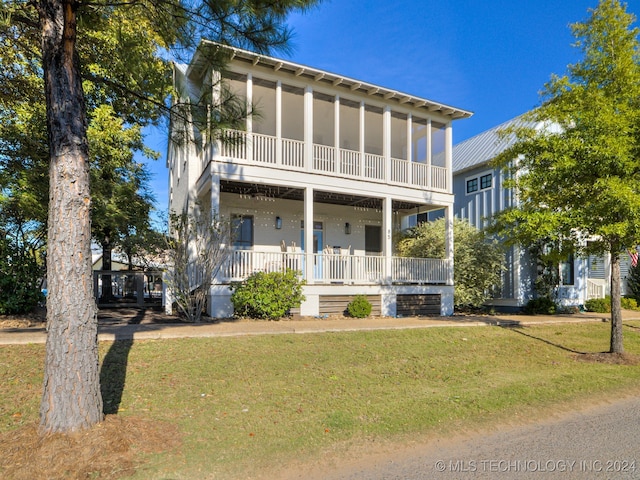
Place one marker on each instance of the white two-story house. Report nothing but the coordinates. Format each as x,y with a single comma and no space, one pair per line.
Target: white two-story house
318,180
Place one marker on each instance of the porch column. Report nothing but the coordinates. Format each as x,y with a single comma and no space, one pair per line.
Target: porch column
409,138
448,156
449,243
308,235
336,133
429,159
387,244
386,140
279,123
249,117
361,141
308,129
214,145
214,198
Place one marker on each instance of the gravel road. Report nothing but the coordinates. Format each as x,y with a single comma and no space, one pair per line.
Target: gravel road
600,442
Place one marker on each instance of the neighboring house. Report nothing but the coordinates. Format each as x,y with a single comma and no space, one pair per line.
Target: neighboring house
319,181
142,286
479,194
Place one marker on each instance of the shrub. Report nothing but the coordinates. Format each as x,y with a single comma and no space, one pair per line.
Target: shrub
540,306
598,305
267,295
629,303
478,259
20,275
359,307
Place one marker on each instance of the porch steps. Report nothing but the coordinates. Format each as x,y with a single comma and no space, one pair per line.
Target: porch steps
337,304
409,305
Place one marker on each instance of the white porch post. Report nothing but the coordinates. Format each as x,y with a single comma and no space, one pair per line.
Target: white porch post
449,243
429,159
214,199
386,137
308,235
387,244
409,138
336,133
308,129
361,140
214,146
279,123
249,117
448,156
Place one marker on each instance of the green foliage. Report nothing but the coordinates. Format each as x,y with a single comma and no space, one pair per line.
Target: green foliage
629,303
633,281
599,305
359,307
540,306
20,277
267,295
577,154
477,258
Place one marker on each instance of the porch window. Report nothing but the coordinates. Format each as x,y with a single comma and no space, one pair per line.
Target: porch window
243,231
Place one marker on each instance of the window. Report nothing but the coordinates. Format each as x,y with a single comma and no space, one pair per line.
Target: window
480,182
567,271
485,181
243,231
472,185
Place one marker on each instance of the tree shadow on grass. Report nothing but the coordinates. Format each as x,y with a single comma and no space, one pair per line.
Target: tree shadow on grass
519,330
113,373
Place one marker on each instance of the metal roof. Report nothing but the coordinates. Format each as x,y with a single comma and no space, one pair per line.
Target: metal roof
331,79
485,146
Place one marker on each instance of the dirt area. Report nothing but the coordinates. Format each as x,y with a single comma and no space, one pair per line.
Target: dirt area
108,451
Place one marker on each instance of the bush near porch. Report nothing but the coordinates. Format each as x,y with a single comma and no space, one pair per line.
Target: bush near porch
267,295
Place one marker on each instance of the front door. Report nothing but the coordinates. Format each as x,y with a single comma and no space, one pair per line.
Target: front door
317,248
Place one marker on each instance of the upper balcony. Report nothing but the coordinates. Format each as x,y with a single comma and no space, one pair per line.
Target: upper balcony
291,154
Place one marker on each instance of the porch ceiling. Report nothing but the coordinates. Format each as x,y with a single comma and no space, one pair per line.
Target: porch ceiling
287,193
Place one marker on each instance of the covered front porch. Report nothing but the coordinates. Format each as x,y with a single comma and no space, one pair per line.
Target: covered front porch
340,241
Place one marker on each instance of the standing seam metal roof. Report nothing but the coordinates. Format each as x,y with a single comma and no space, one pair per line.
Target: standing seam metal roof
485,146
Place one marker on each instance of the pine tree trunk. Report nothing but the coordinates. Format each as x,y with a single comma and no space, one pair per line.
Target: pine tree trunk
616,308
71,397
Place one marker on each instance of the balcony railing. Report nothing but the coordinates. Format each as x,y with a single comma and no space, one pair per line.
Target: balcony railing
337,268
290,154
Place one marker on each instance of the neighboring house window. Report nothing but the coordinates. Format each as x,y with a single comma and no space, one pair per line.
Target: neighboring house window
483,181
472,185
567,271
243,231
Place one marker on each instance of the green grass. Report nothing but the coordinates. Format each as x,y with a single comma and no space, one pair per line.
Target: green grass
251,403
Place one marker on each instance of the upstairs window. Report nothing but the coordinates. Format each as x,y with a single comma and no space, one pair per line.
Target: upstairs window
485,181
480,182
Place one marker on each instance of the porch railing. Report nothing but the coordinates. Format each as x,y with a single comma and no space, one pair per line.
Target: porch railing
595,288
265,149
337,268
128,288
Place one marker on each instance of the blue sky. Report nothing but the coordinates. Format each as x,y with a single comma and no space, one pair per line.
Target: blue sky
491,57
